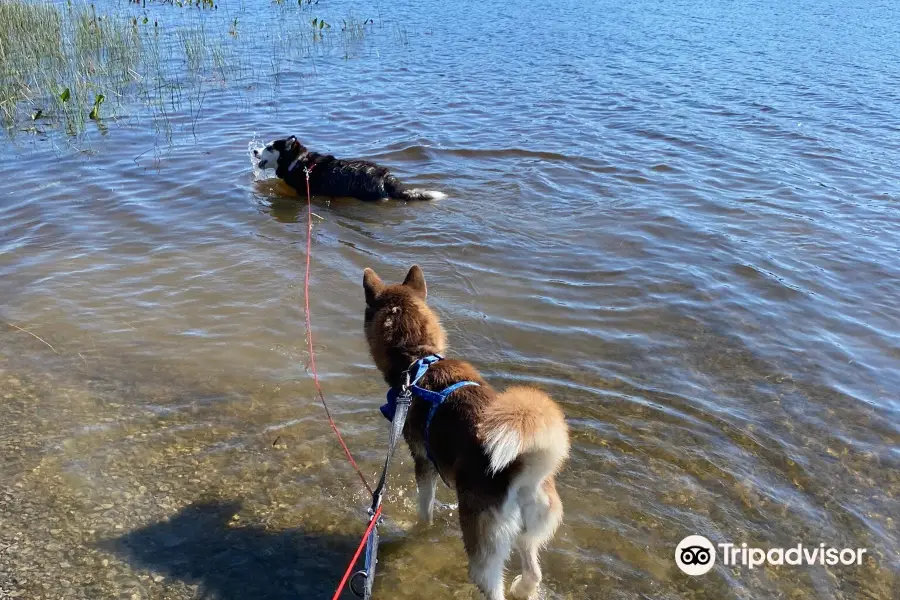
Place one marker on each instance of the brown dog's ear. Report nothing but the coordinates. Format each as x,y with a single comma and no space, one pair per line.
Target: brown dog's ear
292,144
416,280
372,285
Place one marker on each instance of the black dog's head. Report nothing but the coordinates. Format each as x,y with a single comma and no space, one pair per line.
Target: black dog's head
280,155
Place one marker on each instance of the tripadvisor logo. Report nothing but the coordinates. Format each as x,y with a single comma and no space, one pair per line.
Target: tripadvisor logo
695,555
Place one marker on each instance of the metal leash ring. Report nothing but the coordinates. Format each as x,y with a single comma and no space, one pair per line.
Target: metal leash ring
358,582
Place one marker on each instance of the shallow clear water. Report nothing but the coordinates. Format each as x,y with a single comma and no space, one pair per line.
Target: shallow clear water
680,219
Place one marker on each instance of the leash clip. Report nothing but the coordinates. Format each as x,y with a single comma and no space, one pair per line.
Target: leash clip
405,389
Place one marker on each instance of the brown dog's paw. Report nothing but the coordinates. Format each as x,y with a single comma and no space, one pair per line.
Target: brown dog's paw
520,590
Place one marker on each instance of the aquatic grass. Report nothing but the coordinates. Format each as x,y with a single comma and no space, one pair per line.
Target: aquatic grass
59,61
354,28
29,47
75,65
402,35
353,34
194,44
352,31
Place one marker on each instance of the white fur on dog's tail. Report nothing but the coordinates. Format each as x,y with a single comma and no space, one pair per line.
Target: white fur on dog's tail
525,422
420,194
525,429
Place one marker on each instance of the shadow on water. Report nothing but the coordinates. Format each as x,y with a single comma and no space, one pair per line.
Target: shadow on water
204,545
287,205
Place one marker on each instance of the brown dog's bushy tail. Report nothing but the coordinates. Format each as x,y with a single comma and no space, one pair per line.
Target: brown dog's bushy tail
525,423
397,190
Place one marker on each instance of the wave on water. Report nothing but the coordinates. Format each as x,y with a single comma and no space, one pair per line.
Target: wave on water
256,144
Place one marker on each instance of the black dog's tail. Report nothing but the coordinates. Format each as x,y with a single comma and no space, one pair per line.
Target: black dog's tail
397,190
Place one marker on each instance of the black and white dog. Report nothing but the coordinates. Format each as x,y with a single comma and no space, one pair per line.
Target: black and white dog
330,176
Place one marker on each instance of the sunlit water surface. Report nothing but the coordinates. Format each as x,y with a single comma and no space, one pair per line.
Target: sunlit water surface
678,218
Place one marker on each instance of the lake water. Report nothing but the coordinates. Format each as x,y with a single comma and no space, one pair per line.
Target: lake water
681,219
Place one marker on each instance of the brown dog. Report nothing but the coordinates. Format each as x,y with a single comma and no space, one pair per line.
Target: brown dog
500,450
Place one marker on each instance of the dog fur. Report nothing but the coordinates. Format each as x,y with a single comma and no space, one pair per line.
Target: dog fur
330,176
501,451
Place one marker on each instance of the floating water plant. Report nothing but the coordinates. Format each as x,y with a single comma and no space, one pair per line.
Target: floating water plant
95,112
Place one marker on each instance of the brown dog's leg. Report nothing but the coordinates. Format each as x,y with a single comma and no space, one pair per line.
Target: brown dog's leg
488,541
426,482
541,514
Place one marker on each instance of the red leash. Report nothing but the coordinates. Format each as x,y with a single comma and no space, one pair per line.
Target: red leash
309,340
373,522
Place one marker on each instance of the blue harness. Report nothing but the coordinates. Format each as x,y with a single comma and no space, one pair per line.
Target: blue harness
416,371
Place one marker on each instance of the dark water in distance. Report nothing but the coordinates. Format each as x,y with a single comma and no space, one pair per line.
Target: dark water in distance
678,218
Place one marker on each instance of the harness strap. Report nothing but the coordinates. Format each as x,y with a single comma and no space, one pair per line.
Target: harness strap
421,366
436,399
415,372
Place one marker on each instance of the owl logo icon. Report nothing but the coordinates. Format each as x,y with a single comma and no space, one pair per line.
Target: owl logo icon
695,555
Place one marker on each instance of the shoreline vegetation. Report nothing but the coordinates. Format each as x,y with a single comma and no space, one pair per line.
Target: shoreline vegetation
65,66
